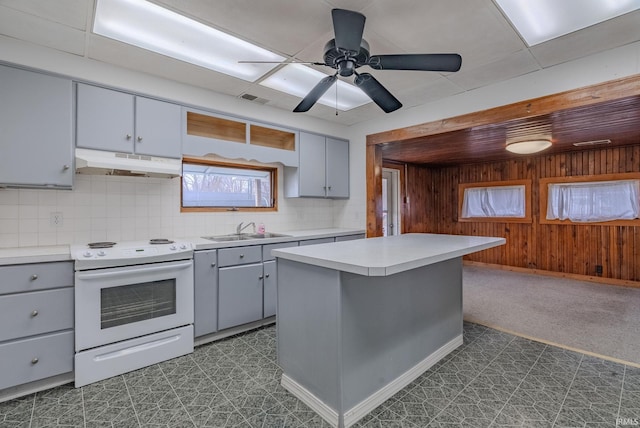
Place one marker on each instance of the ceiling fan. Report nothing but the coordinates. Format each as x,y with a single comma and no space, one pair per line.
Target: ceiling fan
349,51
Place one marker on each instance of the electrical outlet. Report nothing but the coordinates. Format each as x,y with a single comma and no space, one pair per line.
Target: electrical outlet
56,219
598,269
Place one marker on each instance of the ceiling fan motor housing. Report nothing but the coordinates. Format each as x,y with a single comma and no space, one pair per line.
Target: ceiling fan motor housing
344,61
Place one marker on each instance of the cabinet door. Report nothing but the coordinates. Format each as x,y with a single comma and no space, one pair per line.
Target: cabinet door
337,168
312,165
104,119
205,293
239,295
270,289
158,128
36,137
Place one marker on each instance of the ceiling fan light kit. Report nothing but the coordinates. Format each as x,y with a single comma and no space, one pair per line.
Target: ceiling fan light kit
348,51
527,147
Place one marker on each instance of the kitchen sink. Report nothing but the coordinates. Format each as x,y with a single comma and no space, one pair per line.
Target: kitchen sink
244,236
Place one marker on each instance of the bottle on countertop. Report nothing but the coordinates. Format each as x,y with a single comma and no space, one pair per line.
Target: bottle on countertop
261,228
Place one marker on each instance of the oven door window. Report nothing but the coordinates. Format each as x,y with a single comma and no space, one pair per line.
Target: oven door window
128,304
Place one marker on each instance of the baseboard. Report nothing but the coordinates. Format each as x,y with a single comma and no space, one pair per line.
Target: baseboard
304,395
589,278
363,408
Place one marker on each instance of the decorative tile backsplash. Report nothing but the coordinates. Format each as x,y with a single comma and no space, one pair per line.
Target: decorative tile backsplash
113,208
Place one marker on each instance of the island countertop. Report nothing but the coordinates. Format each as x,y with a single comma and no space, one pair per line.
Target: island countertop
385,256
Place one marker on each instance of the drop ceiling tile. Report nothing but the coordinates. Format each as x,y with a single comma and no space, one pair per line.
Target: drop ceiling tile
282,26
133,58
428,92
72,13
615,32
473,29
514,65
34,29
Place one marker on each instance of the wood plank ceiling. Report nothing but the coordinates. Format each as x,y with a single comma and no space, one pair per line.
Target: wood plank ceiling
617,120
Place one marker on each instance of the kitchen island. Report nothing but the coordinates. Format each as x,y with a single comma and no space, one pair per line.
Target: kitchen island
357,321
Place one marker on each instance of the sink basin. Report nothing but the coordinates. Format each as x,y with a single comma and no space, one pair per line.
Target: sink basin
244,236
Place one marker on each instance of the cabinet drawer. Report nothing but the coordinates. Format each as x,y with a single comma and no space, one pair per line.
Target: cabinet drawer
35,276
28,314
239,255
317,241
36,358
266,249
350,237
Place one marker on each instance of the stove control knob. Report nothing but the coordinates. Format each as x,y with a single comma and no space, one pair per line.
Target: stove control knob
101,253
87,254
183,247
173,248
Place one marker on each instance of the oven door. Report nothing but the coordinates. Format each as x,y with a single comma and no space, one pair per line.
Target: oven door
121,303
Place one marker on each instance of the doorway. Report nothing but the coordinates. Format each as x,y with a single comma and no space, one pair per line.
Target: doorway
390,202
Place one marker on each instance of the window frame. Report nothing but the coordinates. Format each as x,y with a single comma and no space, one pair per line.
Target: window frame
544,197
527,201
273,171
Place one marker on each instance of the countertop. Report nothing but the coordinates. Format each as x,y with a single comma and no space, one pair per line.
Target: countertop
388,255
293,235
52,253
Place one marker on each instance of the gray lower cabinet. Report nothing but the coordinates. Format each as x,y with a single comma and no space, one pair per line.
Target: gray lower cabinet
350,237
270,288
239,295
206,292
317,241
36,322
36,129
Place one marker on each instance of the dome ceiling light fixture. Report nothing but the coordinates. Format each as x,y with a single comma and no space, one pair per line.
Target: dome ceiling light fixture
526,147
528,137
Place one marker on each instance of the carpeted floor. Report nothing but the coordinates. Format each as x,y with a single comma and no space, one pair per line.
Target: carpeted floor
598,319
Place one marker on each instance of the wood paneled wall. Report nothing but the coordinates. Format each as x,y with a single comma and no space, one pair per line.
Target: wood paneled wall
571,249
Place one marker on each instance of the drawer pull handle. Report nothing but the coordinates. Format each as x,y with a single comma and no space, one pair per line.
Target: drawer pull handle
213,265
260,277
34,277
34,314
34,360
267,275
241,256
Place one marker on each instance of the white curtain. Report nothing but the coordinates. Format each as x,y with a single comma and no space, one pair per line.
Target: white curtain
594,201
497,201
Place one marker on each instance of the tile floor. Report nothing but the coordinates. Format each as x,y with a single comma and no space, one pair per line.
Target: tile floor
493,380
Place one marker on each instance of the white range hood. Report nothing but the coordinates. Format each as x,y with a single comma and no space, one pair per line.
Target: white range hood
98,162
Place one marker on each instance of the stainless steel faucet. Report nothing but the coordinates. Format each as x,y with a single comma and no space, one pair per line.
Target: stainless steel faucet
240,228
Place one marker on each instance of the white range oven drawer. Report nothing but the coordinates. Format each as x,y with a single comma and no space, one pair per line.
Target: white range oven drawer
122,357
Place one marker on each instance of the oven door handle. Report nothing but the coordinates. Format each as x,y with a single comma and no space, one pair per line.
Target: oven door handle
136,270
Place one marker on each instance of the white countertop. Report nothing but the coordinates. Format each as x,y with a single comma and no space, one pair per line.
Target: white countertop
293,235
389,255
52,253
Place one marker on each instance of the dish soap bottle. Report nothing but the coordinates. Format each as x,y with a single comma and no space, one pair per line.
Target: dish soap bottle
261,228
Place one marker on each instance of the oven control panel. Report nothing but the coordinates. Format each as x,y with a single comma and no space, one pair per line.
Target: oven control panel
127,253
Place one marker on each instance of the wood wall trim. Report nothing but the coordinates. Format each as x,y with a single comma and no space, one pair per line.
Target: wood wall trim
544,197
588,95
374,190
589,278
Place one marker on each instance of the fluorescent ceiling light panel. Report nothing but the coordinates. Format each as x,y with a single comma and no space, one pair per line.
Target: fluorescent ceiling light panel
151,27
538,21
298,80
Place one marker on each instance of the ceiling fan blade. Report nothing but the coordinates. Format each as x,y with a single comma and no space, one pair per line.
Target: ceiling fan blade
314,95
421,62
378,93
348,27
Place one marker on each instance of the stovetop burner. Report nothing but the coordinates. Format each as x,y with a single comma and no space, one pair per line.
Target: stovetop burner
160,241
94,245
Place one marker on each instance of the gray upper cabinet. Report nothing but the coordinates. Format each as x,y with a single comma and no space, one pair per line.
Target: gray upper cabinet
337,168
323,170
121,122
36,123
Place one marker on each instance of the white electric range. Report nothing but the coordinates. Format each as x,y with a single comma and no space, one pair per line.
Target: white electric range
133,306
